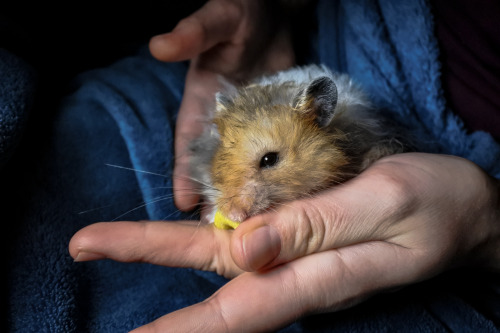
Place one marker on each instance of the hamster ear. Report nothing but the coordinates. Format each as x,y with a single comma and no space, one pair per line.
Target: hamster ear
319,98
224,98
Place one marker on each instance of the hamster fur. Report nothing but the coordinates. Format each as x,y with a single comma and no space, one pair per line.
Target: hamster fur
286,136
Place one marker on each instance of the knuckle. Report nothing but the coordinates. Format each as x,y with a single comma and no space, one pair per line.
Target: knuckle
218,313
400,191
309,232
144,250
221,262
193,23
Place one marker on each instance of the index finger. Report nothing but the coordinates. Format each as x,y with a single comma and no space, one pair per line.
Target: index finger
193,116
187,244
214,23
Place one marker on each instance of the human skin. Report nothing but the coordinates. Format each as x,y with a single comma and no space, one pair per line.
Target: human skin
236,39
405,219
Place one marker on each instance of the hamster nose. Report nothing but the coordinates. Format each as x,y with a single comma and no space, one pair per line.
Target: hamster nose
238,215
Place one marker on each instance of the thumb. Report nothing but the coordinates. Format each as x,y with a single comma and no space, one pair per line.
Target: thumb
358,211
270,239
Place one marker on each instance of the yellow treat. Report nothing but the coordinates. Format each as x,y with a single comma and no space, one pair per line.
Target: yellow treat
222,222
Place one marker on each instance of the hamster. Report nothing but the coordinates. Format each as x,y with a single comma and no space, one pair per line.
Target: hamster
286,136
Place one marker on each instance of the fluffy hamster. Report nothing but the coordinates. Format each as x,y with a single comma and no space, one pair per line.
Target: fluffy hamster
286,136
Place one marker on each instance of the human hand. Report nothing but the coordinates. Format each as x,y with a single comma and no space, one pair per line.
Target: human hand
237,39
405,219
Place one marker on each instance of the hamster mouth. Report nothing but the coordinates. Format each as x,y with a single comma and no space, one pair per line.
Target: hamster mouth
240,215
268,209
241,208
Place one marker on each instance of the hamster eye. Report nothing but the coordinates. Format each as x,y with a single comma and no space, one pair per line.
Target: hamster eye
269,160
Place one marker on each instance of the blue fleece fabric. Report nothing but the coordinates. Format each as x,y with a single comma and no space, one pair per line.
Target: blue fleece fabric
17,87
60,180
389,46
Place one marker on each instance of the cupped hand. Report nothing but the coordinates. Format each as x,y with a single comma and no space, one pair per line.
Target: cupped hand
236,39
405,219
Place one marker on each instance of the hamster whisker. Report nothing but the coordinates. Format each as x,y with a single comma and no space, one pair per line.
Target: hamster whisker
200,182
94,209
135,170
186,191
166,218
137,196
144,204
168,196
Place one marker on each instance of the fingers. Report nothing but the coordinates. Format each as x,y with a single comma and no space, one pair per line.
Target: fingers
262,302
185,196
250,303
192,118
362,209
230,38
214,23
404,199
163,243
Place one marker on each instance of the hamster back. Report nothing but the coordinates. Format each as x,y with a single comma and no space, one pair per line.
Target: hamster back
284,137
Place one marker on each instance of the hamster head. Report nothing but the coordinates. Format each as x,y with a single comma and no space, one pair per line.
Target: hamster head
272,152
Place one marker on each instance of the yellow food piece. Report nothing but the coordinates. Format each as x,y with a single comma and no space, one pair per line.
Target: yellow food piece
222,222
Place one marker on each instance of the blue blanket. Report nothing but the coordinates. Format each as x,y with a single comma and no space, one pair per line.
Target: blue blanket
17,87
63,176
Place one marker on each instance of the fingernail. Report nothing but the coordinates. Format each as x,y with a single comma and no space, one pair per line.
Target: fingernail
261,246
88,256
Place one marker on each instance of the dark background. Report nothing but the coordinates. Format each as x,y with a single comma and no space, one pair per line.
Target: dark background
60,40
